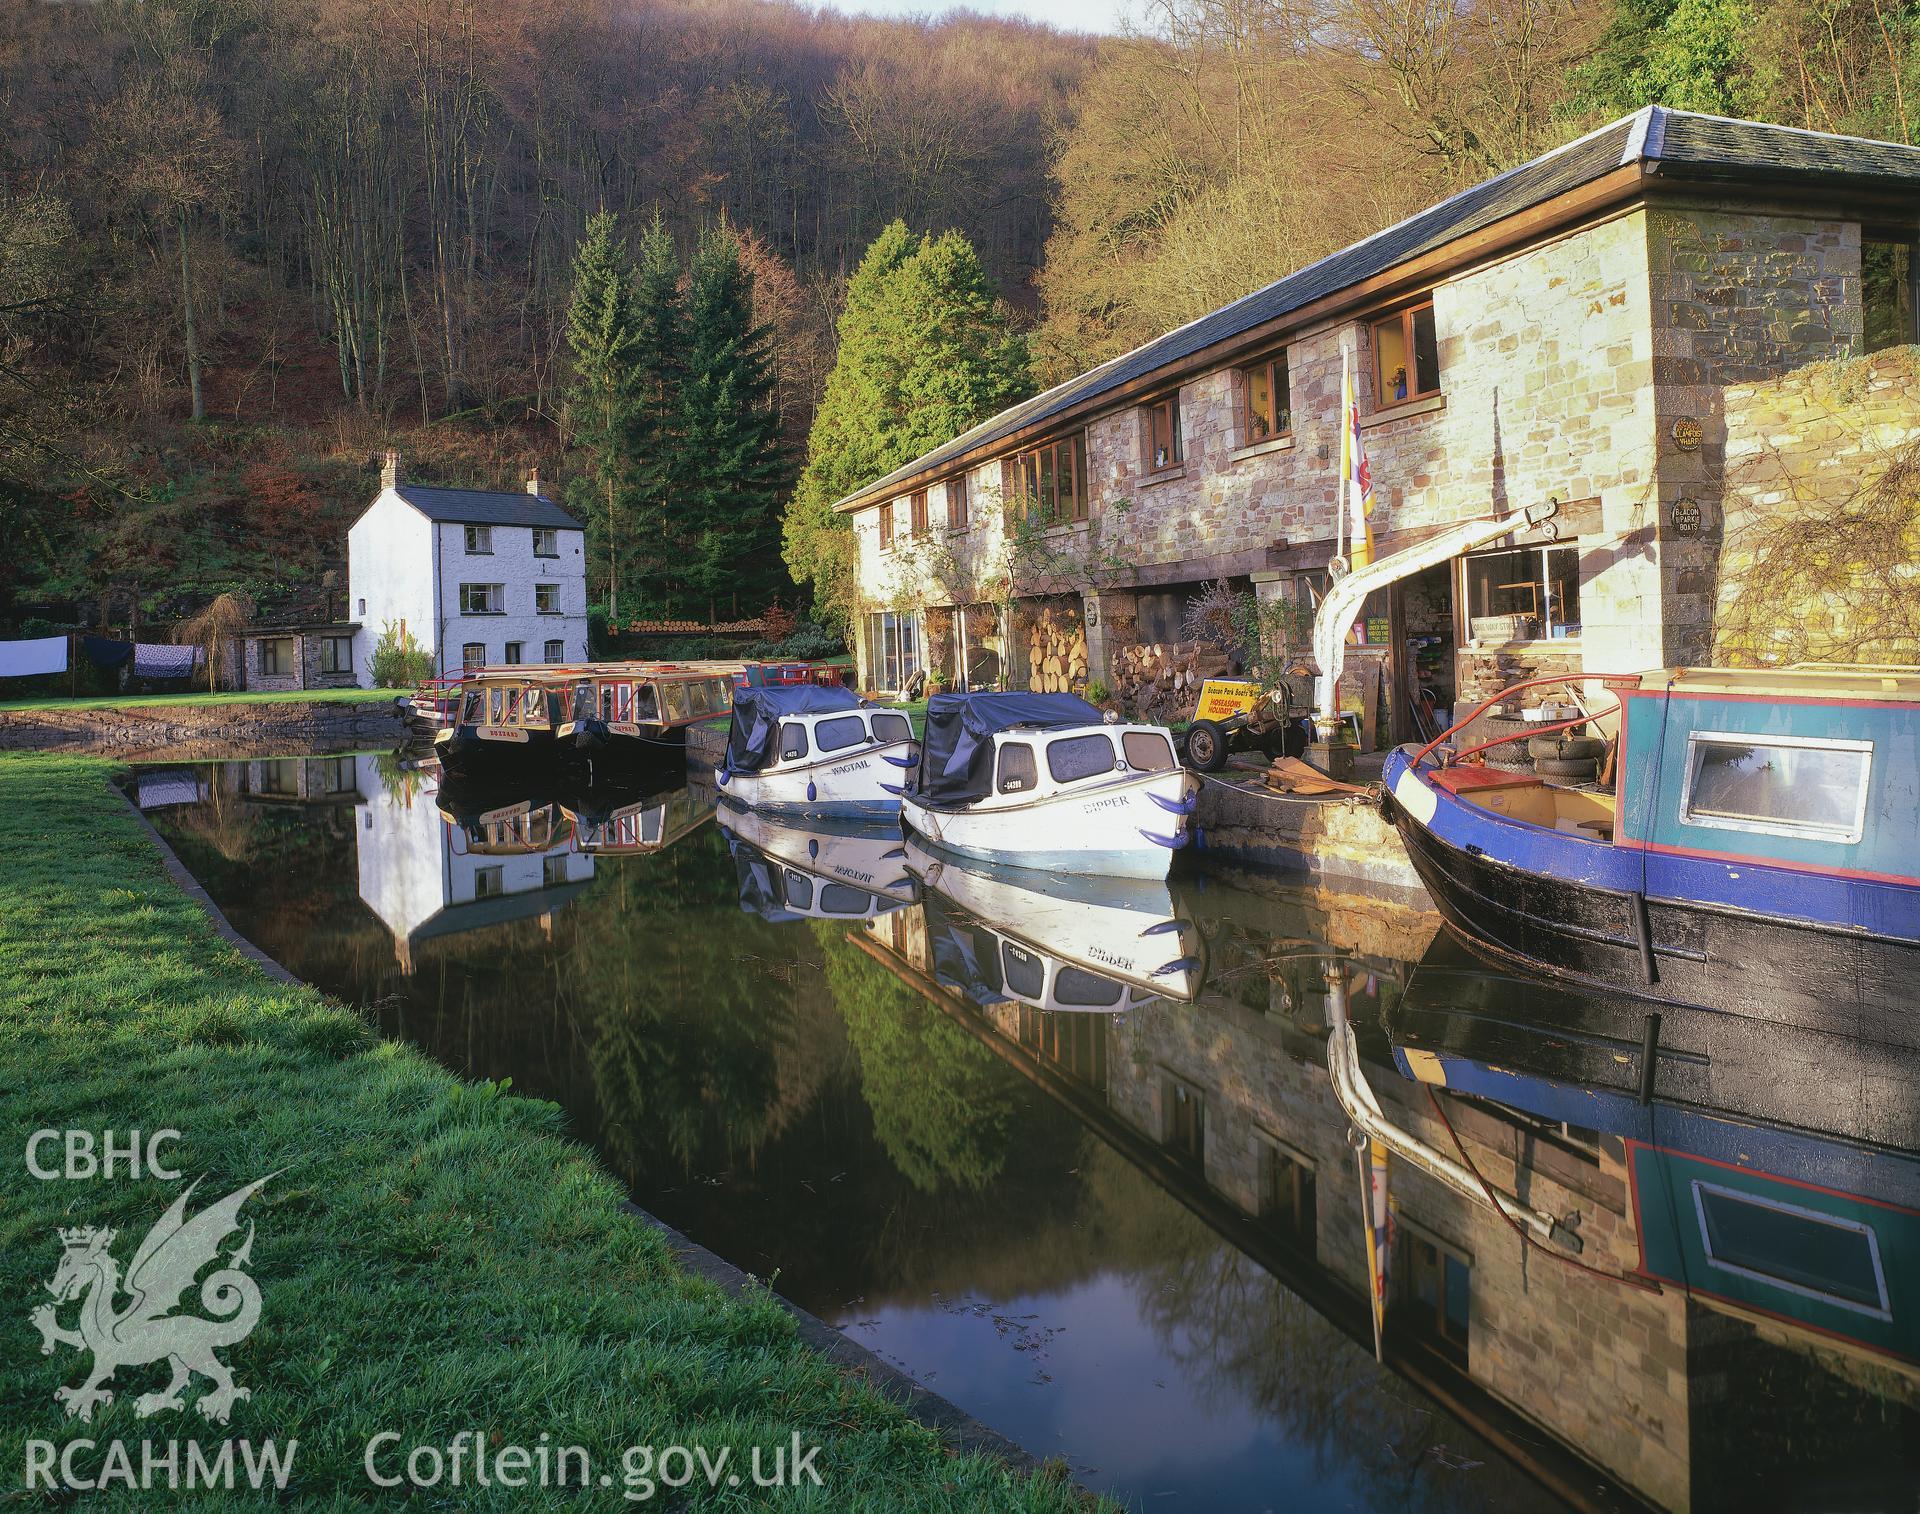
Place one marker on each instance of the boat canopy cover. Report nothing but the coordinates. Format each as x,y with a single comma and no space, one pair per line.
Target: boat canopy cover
956,757
753,740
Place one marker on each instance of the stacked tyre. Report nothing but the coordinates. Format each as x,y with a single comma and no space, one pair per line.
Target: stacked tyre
1566,759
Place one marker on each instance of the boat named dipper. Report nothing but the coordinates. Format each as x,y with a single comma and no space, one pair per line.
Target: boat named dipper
809,750
1044,781
1761,853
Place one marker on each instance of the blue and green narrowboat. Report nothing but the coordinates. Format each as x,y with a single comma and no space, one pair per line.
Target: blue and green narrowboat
1759,854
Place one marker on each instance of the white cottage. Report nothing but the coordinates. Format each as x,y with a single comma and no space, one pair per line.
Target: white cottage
474,575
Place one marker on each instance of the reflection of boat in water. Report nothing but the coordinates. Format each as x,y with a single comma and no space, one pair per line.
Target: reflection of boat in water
634,818
1770,1169
498,820
1759,856
1055,941
818,869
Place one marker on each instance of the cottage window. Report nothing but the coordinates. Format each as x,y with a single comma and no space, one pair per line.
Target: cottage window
1438,1292
957,502
555,651
479,541
276,657
1186,1121
1163,434
336,654
546,599
473,655
1406,356
280,775
546,541
337,775
511,654
1050,482
483,599
917,512
1287,1199
1266,400
1527,594
490,882
363,607
1811,787
1889,284
886,526
553,871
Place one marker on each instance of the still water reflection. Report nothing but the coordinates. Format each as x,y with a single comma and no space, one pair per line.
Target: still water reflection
1067,1152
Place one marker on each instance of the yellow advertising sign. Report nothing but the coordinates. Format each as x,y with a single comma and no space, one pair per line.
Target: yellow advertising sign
1221,697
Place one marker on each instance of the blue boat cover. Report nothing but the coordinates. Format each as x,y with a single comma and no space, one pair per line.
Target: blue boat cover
753,740
956,755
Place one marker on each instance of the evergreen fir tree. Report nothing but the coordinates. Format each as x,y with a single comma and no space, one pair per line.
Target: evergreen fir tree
602,335
655,433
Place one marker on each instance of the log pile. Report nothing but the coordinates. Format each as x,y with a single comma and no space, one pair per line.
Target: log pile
1160,680
1056,651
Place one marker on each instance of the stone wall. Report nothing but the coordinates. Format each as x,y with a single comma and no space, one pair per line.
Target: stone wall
204,732
306,672
1800,451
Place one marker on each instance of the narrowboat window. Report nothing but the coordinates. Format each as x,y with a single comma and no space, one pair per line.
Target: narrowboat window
510,707
1085,990
839,733
1146,751
583,701
1777,785
1816,1255
722,695
1079,757
701,696
475,708
799,890
646,702
793,741
1534,592
1026,972
1017,772
675,697
892,728
843,899
495,705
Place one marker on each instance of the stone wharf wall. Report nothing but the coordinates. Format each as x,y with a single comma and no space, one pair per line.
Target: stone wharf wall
195,732
1800,444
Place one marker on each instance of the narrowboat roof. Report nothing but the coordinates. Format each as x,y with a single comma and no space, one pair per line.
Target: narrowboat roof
1805,680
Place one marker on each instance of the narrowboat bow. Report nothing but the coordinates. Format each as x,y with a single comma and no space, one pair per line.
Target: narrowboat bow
1761,853
508,719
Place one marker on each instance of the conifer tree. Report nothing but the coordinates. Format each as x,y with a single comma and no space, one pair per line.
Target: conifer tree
655,430
600,403
925,352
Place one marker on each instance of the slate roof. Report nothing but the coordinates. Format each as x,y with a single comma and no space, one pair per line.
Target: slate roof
486,507
1675,144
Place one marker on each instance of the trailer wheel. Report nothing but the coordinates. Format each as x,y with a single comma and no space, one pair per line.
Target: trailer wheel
1206,746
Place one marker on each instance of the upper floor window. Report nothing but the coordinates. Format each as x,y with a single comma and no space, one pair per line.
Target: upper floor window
917,512
957,502
483,599
546,541
1050,482
1163,433
1266,400
546,598
1889,282
1406,356
886,525
479,540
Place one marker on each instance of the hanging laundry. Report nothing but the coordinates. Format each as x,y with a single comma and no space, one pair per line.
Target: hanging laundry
158,660
105,652
33,659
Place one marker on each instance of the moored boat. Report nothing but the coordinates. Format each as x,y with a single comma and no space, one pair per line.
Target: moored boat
508,719
1045,781
809,750
1761,852
634,710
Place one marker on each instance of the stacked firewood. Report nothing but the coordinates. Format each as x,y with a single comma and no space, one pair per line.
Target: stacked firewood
1160,680
1056,651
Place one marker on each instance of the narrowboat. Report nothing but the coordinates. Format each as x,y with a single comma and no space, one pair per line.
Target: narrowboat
810,750
633,819
1759,854
635,710
818,869
1045,781
1056,943
508,719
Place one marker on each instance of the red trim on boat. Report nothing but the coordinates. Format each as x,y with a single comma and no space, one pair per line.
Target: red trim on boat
1821,868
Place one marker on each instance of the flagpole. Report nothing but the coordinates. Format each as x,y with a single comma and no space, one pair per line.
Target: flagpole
1360,1144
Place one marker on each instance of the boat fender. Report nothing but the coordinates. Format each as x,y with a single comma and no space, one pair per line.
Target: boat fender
899,762
1177,965
720,776
813,791
1162,927
813,848
1175,841
891,788
1176,806
894,853
905,880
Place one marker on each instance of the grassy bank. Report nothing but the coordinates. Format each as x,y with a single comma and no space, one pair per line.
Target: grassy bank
163,701
433,1256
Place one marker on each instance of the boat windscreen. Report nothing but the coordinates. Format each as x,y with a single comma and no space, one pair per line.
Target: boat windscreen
956,755
753,737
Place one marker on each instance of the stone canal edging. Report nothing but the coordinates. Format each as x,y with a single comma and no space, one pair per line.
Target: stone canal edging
193,731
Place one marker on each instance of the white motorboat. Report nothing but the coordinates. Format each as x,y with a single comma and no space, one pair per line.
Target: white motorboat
809,750
1044,781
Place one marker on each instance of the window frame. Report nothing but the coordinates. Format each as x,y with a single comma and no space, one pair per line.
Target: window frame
547,586
1161,426
1404,318
479,541
514,654
917,522
1039,499
552,534
1792,830
853,718
1031,780
496,595
1273,364
886,526
1838,1222
1084,738
331,646
959,504
1463,591
278,644
554,651
467,662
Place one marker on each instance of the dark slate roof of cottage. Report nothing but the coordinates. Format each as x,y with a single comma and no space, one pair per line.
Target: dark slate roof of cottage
1675,143
486,507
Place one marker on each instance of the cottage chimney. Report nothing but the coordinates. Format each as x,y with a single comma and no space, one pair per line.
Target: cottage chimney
390,469
533,480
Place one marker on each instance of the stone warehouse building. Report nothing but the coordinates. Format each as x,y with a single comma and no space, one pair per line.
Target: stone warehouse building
1567,331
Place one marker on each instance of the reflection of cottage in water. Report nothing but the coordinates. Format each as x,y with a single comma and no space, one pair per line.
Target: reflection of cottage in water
1607,1390
427,876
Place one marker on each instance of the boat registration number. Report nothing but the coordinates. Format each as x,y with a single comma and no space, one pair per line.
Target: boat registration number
500,733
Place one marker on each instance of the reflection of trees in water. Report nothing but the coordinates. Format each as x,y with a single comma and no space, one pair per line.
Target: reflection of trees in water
1242,1335
942,1104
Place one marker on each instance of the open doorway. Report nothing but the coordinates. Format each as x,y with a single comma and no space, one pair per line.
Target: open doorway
1427,687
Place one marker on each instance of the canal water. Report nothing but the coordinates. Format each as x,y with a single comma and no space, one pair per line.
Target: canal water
1067,1153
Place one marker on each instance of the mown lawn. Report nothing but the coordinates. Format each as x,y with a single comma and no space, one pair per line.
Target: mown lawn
161,701
434,1256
